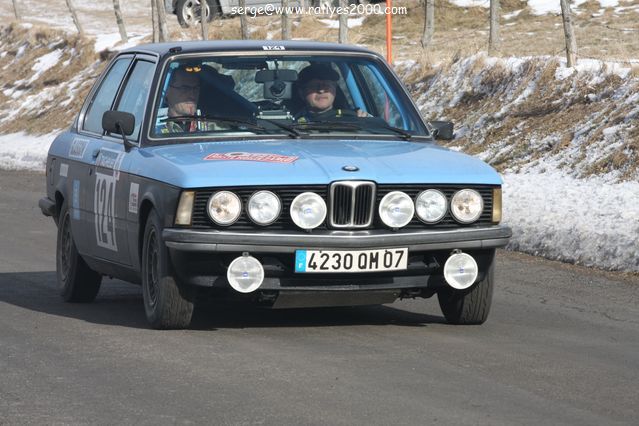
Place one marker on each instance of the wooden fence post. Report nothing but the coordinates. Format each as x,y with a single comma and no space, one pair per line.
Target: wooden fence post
120,21
243,24
204,20
494,41
164,32
154,21
429,23
16,10
286,23
343,22
569,32
74,16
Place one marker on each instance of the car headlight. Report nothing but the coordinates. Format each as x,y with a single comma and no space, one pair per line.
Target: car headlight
396,209
466,205
431,206
224,207
308,210
264,207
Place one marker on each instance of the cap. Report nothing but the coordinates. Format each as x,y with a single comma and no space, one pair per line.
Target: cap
317,72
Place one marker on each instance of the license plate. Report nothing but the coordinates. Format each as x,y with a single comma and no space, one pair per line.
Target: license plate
327,261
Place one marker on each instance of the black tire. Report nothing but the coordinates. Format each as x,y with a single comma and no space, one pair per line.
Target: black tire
188,12
470,306
76,281
167,304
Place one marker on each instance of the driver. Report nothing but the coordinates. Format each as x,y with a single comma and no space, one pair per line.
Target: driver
182,98
317,86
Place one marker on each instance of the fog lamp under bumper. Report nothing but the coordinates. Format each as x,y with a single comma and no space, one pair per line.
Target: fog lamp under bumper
460,270
245,274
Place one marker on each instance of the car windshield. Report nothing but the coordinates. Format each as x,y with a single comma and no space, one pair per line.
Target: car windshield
287,96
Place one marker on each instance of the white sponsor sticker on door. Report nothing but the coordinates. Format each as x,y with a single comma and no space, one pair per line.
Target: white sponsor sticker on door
133,198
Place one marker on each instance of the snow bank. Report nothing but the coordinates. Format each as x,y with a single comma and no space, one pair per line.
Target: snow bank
20,151
589,222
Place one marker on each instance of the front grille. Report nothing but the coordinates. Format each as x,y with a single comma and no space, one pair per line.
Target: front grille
352,204
363,210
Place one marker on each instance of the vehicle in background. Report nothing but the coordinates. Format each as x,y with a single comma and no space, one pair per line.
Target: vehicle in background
188,11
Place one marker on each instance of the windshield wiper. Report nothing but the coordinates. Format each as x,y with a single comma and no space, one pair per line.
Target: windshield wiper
291,130
218,118
327,125
336,125
406,135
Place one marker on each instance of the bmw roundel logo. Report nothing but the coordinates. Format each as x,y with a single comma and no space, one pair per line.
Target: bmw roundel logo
350,168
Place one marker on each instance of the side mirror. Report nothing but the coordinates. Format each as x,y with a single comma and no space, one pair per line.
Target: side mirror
118,122
443,130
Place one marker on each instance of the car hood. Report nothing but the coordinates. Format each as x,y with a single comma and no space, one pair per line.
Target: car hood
309,161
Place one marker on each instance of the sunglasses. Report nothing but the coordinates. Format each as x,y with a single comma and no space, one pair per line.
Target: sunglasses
186,88
320,85
194,68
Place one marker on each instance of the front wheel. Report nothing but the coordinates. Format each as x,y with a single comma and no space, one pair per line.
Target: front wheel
76,281
167,304
470,306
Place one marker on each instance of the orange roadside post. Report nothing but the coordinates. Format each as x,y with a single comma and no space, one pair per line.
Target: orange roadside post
389,32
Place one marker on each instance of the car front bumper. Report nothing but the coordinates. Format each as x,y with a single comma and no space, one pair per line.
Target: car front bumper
201,257
287,242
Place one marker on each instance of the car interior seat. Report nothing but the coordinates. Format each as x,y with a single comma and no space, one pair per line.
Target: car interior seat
218,96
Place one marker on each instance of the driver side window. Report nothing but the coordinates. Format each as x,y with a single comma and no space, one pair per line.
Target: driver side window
136,92
103,98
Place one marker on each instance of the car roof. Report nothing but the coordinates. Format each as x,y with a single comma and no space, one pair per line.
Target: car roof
273,46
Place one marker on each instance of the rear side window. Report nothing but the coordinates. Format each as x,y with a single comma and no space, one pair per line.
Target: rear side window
103,98
136,92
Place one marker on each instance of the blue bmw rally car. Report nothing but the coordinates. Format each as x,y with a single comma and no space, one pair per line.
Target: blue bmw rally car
287,174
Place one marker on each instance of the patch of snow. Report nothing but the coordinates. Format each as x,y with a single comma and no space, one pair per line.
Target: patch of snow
610,131
334,23
23,151
21,51
628,8
471,3
114,42
585,221
541,7
599,69
512,14
106,41
609,3
44,63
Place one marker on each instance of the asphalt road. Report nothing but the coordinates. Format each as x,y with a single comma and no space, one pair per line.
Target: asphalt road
561,347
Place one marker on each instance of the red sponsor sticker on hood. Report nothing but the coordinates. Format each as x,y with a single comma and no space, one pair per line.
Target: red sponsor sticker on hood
251,156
